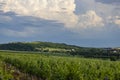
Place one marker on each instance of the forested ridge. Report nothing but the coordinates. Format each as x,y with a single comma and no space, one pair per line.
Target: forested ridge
31,46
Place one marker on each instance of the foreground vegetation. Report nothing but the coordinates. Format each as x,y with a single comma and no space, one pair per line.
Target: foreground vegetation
4,75
48,67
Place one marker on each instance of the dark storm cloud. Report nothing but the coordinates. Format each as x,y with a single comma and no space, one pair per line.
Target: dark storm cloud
109,1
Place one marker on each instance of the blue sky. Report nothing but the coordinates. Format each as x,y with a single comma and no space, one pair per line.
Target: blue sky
88,23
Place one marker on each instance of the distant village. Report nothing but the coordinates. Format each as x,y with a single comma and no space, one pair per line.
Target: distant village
113,50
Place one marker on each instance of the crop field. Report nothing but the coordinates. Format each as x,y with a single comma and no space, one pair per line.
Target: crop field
48,67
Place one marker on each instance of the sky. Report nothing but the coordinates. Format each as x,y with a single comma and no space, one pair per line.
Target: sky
86,23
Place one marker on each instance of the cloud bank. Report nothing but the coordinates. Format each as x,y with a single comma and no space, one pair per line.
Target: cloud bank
54,10
46,9
73,15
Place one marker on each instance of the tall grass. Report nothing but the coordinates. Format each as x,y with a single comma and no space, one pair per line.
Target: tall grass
63,68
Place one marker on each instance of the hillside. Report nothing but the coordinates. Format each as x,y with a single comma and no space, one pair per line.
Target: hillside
38,46
62,48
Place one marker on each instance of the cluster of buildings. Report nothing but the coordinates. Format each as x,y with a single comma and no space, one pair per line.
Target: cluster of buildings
113,50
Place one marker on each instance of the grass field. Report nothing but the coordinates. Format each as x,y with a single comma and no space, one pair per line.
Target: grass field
48,67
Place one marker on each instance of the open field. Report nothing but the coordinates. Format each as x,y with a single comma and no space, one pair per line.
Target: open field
48,67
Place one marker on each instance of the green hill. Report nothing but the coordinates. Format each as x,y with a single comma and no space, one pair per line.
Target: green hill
61,48
38,46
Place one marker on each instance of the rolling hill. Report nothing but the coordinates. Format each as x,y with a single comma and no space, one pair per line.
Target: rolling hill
38,46
61,48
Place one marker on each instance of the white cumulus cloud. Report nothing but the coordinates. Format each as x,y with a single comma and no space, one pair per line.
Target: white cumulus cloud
60,10
88,20
114,20
117,22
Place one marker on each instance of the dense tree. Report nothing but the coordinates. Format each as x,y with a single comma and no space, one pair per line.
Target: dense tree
17,47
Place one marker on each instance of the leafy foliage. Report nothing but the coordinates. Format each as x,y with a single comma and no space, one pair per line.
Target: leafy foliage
63,68
17,47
